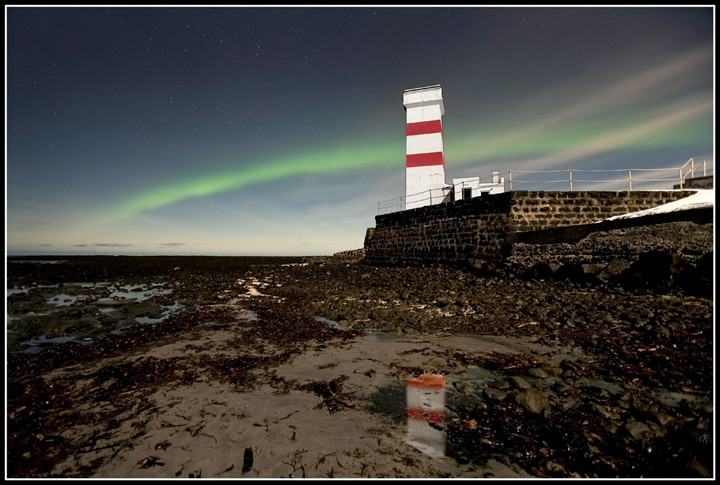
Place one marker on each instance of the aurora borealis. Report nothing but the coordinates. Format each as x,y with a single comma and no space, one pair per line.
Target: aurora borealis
276,130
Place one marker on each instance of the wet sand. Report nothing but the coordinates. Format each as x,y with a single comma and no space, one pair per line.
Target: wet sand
204,428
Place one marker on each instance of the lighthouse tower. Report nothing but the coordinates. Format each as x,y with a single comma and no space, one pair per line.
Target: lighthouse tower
425,159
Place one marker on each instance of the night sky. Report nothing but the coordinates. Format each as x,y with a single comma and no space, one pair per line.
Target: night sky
276,131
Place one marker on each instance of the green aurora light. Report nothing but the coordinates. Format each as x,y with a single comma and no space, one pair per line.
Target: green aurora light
353,158
470,148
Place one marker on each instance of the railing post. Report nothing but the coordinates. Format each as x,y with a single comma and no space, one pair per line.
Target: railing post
692,168
681,184
704,169
571,180
630,178
510,179
430,196
401,206
378,207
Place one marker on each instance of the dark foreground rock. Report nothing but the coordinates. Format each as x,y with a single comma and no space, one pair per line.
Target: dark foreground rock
674,256
622,389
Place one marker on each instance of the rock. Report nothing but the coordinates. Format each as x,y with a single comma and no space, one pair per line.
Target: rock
601,410
144,308
552,370
612,426
697,280
539,271
698,468
108,319
488,269
636,429
562,387
533,401
538,372
519,383
466,388
494,394
591,269
126,323
571,271
655,270
500,384
612,269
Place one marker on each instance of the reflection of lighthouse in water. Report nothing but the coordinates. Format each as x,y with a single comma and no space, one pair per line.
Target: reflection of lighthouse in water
426,414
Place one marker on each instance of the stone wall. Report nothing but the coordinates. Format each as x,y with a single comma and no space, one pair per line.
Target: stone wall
484,227
697,183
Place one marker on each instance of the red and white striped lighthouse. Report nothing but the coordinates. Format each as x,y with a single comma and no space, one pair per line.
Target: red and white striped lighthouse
425,159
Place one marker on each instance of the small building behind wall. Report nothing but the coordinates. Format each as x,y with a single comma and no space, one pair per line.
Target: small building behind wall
469,187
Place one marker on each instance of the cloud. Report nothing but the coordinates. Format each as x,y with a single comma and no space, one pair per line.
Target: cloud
630,87
111,245
172,244
594,113
624,136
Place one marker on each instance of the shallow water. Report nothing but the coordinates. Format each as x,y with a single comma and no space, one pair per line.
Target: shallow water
167,311
141,294
35,344
105,296
331,323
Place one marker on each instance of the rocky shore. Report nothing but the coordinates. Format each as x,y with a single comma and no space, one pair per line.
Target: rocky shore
274,367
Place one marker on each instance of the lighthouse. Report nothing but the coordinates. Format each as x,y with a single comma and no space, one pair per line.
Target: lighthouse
425,156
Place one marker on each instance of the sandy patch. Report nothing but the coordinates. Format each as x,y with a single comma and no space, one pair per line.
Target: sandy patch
281,428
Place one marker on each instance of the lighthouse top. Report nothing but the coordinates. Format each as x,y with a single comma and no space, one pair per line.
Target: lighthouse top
424,96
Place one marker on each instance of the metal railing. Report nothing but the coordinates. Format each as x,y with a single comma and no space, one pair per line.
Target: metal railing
633,179
691,171
401,203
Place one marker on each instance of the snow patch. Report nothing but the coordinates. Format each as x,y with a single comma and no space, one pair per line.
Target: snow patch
703,198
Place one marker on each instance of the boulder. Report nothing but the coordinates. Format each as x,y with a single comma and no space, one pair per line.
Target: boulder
654,270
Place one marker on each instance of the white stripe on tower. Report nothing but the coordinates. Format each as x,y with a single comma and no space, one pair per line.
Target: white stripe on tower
425,158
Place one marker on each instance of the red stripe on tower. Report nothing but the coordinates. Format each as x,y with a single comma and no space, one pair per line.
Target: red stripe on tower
424,127
425,159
